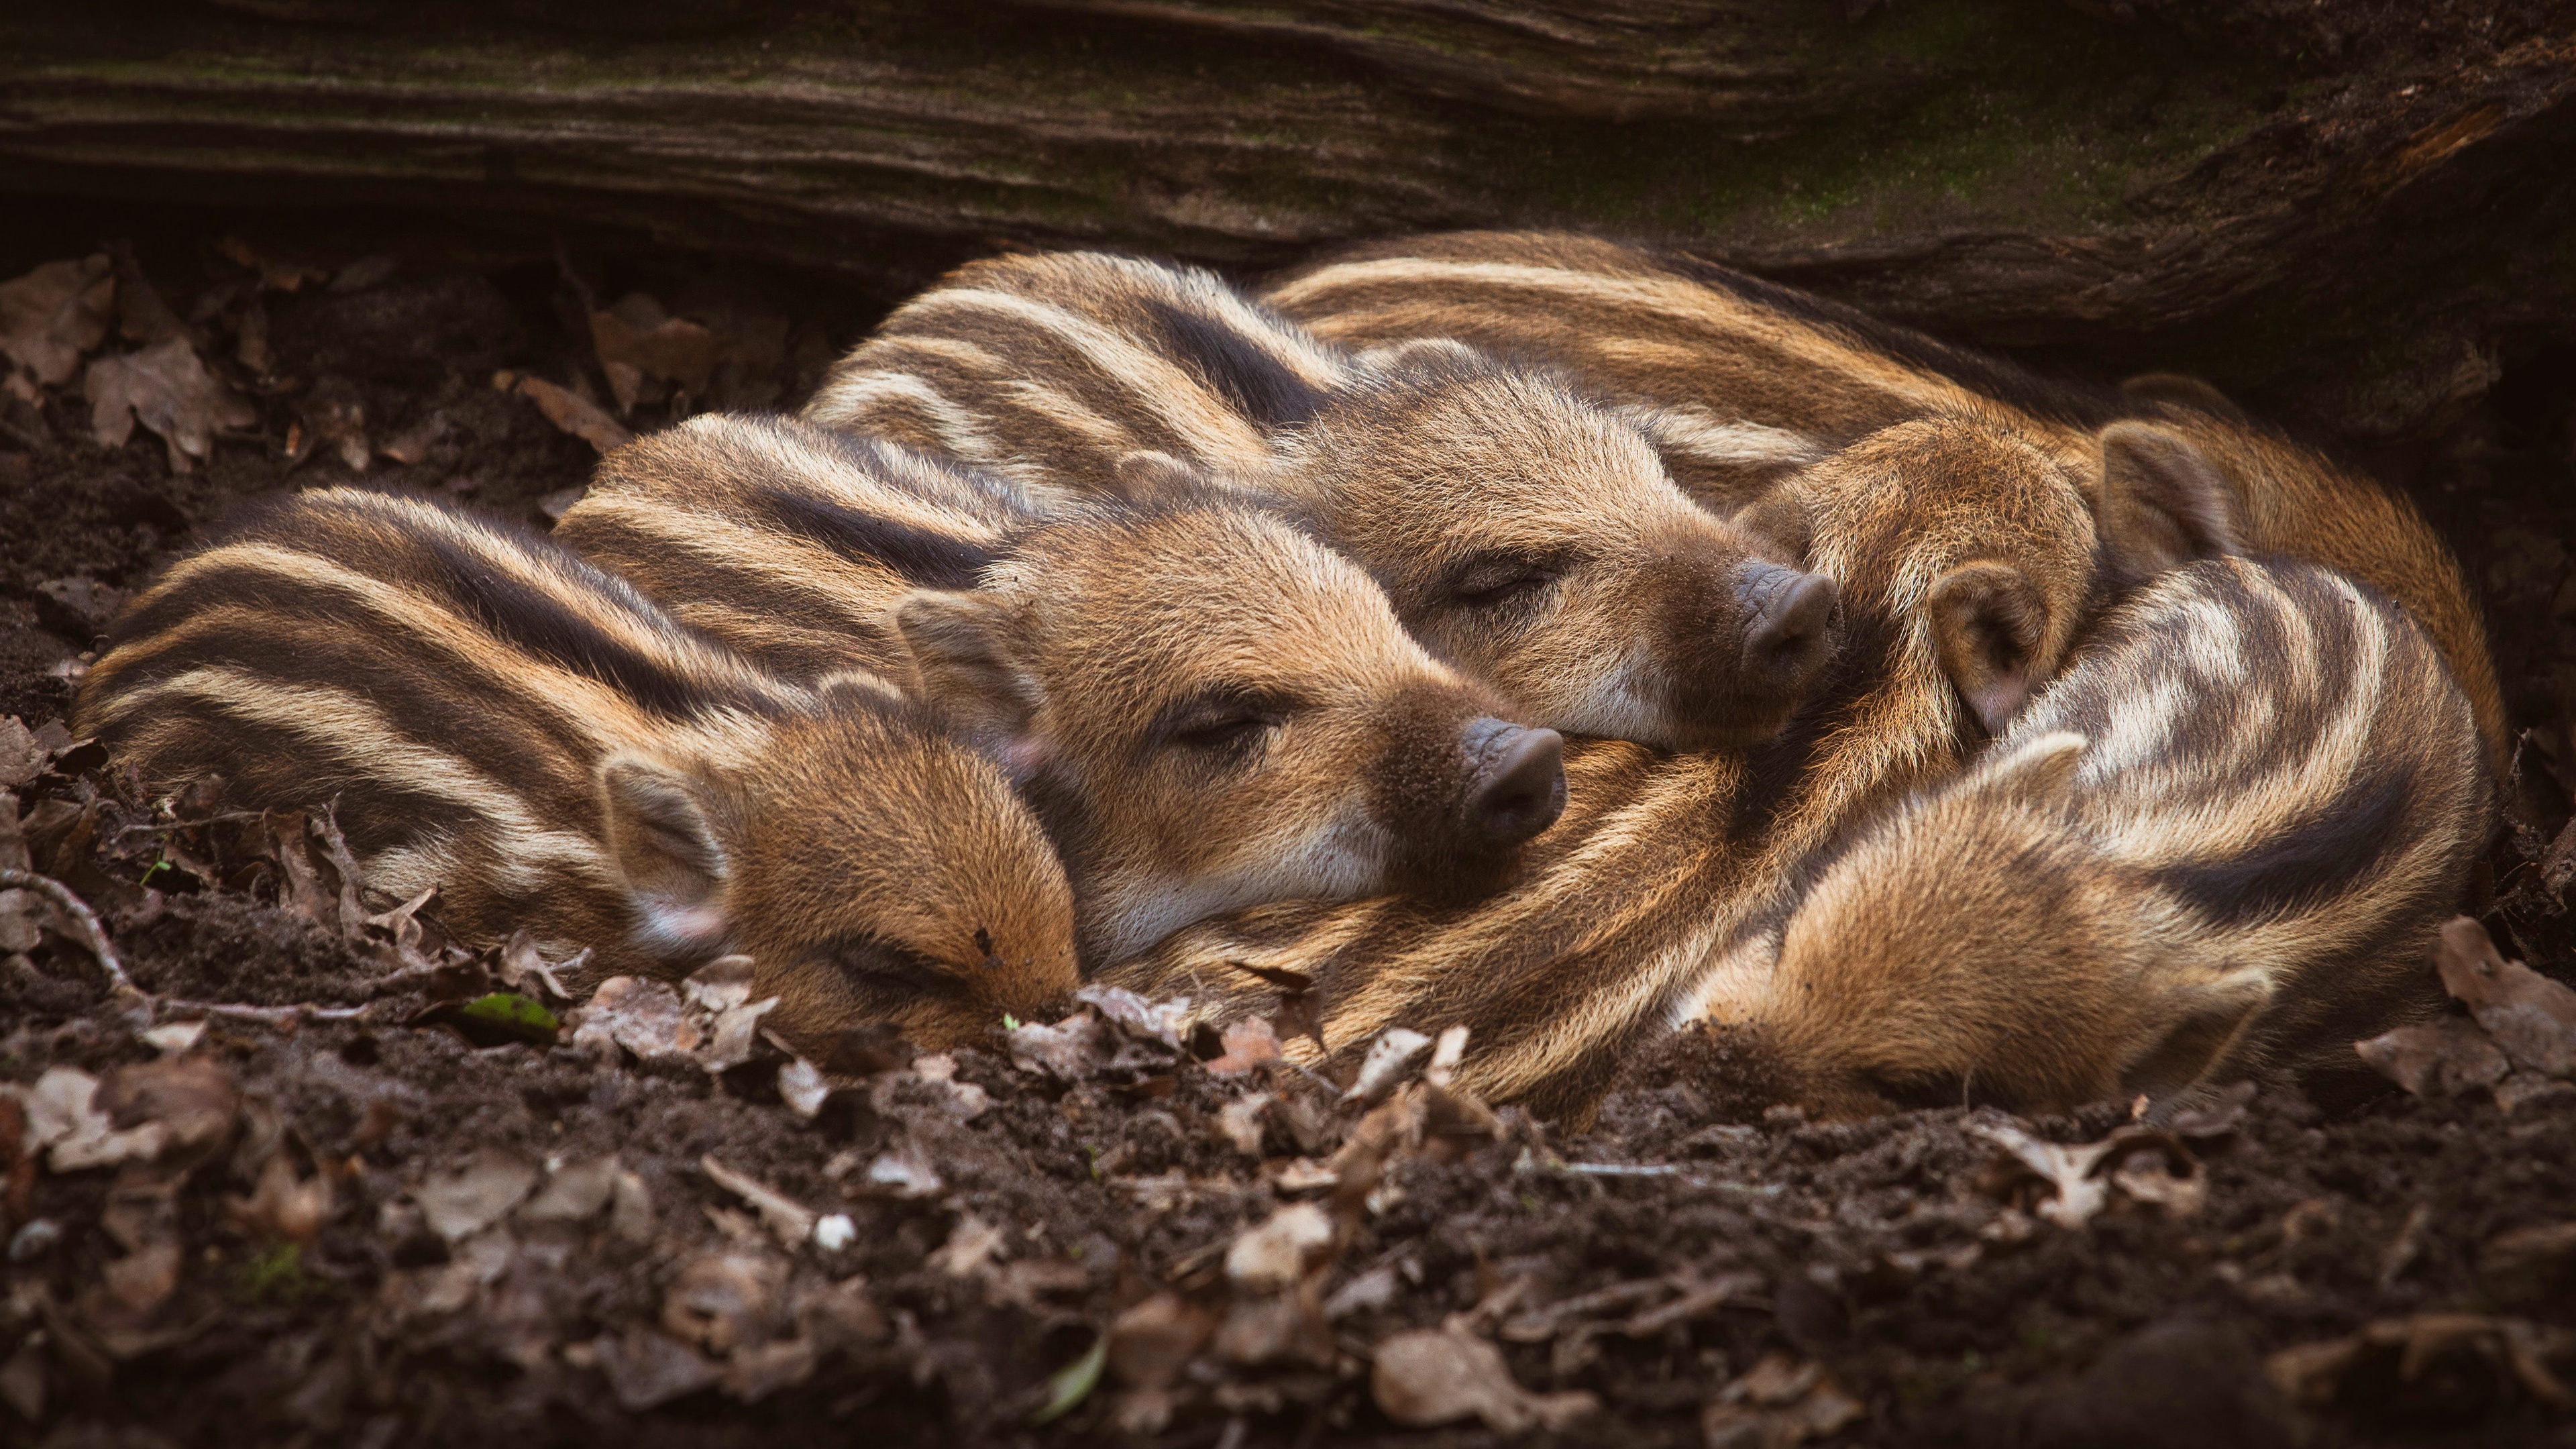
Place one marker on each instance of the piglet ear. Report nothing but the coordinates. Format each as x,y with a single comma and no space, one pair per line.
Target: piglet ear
967,664
2202,1023
659,835
2036,771
1987,623
2163,503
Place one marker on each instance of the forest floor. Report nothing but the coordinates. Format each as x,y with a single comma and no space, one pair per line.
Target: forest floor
375,1196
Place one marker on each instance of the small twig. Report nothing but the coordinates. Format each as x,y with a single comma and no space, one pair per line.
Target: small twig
94,936
154,827
1622,1169
84,920
271,1014
2408,1243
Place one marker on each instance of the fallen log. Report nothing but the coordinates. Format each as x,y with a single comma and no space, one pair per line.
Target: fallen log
2232,187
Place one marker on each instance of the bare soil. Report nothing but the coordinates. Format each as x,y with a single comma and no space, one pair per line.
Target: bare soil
1706,1270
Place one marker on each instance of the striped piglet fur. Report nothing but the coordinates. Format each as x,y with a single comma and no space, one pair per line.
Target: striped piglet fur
1938,531
1208,709
491,716
1526,535
2220,844
1742,381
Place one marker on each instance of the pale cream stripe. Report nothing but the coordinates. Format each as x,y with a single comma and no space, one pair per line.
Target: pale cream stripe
355,734
576,698
1159,385
1677,298
848,401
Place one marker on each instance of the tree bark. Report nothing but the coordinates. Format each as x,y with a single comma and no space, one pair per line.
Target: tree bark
2352,215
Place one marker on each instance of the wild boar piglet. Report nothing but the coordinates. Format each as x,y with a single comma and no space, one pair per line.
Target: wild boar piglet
490,715
2220,843
1208,707
1528,535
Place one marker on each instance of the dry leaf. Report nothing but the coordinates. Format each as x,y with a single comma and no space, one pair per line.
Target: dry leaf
733,1036
902,1172
1305,1174
524,969
2532,1017
1069,1051
1428,1377
1247,1045
555,505
1030,1281
636,340
971,1244
1383,1069
22,756
1239,1121
720,985
1160,1022
1777,1403
791,1221
1277,1254
175,1038
573,413
2148,1176
1153,1341
1367,1293
274,276
932,1075
802,1086
67,1122
91,604
169,391
630,1209
56,313
642,1016
2442,1058
459,1204
143,1280
575,1192
1446,1053
365,272
2079,1181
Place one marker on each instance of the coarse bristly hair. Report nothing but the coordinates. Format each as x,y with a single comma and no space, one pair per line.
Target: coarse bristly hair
1530,536
1969,562
2220,844
490,715
1742,381
1208,708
